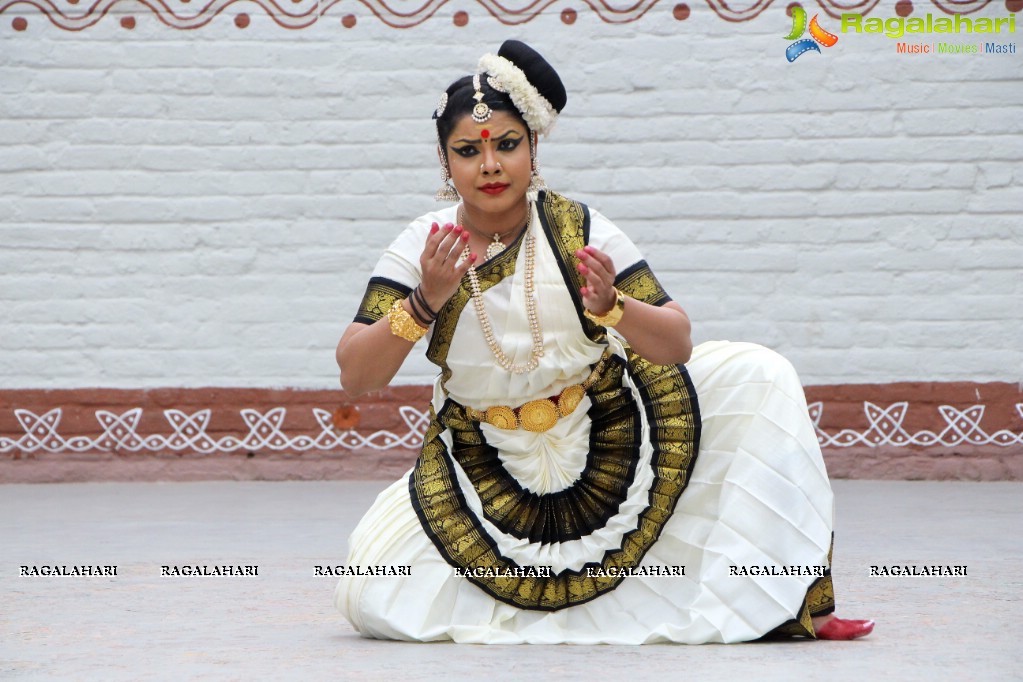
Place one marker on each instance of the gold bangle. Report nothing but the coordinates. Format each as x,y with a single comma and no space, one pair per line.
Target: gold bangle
402,324
611,317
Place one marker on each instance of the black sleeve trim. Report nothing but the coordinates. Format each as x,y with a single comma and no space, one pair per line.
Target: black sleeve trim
639,282
381,293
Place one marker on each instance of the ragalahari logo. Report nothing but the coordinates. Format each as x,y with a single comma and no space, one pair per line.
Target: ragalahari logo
818,35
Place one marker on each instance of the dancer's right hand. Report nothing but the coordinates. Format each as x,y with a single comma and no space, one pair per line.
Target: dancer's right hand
439,263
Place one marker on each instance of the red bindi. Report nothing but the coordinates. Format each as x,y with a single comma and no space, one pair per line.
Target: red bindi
484,133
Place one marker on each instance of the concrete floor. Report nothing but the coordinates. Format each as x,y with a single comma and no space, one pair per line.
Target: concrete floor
282,625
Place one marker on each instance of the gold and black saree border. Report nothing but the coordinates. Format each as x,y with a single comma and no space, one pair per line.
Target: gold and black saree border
566,224
819,601
669,400
381,293
586,505
639,282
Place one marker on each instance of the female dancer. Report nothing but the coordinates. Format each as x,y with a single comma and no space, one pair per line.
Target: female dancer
587,475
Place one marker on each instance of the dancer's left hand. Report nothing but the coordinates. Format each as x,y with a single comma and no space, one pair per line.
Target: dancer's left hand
596,266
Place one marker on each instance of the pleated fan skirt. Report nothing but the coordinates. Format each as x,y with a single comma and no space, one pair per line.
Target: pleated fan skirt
643,541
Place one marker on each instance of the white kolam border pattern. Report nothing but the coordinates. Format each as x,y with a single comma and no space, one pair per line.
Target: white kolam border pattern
885,428
266,431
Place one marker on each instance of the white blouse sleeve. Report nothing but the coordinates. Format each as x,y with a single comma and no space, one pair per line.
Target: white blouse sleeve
398,272
632,274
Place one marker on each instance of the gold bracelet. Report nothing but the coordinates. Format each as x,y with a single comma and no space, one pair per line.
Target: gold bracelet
402,324
611,317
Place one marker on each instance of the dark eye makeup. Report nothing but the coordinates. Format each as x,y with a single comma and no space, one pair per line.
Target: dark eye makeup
505,144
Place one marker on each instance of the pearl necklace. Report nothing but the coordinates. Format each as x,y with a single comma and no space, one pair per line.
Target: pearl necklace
530,294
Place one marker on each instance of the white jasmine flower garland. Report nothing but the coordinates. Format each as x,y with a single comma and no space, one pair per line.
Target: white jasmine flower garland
534,107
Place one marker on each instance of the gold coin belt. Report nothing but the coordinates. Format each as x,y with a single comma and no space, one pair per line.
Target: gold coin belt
539,415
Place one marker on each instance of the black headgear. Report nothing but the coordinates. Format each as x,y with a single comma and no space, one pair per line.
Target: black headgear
539,73
517,74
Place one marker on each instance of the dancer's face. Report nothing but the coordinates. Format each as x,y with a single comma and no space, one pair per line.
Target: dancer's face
489,162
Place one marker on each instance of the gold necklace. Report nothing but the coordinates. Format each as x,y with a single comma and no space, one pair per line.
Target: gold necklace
536,352
496,246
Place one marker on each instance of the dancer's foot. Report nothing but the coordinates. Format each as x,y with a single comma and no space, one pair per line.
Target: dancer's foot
830,627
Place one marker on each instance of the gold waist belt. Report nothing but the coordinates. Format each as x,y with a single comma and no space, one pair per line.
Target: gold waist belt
539,415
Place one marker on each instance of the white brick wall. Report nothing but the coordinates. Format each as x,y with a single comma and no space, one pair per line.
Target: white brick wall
202,208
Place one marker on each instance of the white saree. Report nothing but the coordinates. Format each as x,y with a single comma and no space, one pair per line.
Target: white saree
724,542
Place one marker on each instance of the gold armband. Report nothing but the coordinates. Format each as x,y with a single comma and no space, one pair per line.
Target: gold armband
402,324
611,317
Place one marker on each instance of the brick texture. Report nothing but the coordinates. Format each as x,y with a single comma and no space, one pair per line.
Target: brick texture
196,208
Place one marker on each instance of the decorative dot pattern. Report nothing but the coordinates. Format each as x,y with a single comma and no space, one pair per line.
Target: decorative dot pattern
296,14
